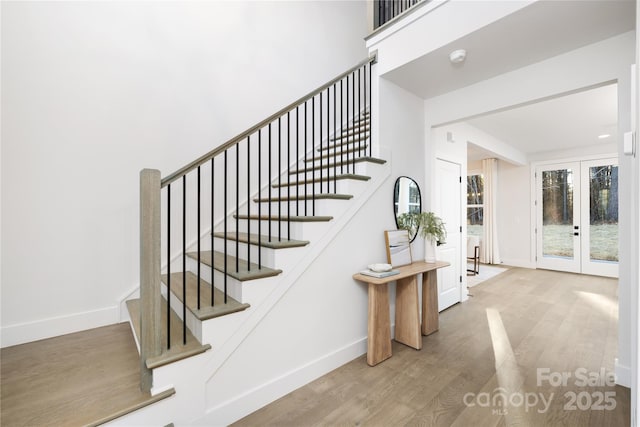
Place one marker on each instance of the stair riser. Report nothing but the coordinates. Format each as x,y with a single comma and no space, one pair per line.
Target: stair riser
234,287
298,230
250,291
339,159
323,207
282,259
343,186
193,324
358,134
361,168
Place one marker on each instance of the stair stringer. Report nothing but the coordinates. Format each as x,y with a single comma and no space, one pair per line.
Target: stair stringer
191,377
237,406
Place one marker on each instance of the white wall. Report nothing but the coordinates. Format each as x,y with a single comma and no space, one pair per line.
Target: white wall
95,91
514,225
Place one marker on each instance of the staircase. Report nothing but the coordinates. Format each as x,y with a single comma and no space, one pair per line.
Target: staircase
304,172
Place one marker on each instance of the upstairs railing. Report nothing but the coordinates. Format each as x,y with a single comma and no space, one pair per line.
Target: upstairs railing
217,190
385,10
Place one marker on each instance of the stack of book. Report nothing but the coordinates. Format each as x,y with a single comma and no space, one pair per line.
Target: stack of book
380,274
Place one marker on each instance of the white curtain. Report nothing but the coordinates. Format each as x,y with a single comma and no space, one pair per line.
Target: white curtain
491,252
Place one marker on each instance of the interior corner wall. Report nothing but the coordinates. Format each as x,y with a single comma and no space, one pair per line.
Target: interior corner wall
514,222
93,92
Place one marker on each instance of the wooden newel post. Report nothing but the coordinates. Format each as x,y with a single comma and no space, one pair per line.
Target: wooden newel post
150,337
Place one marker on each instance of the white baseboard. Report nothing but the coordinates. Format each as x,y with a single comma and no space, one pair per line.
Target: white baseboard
623,374
55,326
240,406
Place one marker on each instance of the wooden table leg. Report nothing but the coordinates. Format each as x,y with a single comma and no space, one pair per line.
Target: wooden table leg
429,302
408,313
379,327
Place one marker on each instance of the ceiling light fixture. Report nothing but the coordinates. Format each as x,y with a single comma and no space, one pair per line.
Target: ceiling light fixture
604,136
458,56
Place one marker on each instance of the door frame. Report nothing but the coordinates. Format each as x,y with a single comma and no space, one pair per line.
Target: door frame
533,192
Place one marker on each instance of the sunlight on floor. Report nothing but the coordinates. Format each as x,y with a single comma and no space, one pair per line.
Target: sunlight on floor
600,302
508,372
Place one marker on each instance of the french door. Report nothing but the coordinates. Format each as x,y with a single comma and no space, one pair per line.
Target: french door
577,217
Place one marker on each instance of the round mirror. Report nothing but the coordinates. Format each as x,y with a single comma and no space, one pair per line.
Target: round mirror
406,200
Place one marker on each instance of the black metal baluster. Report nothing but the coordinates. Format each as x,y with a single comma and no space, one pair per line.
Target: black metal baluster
288,175
370,112
269,204
248,203
226,231
335,159
198,237
341,127
213,186
259,160
344,144
328,131
365,107
184,259
313,148
168,266
297,159
321,151
305,159
353,121
279,179
360,122
237,207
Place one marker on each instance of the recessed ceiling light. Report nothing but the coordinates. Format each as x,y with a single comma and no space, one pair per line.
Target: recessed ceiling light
604,136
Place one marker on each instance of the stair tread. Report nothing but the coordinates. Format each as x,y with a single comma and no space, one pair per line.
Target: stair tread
206,311
178,350
264,240
316,218
302,197
246,271
338,164
343,176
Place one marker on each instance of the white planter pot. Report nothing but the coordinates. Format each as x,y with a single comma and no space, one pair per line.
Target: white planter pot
430,251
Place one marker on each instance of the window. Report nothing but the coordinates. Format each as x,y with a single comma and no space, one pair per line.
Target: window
475,201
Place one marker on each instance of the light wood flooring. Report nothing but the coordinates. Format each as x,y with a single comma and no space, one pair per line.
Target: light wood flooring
73,380
494,344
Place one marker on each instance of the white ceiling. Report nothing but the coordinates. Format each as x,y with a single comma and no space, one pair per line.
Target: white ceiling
566,122
539,31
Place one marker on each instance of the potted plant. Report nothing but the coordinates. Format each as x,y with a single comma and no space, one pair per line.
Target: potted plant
429,226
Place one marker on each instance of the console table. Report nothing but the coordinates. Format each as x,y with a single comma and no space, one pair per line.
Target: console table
408,329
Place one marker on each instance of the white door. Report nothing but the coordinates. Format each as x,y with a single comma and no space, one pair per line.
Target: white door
448,207
577,218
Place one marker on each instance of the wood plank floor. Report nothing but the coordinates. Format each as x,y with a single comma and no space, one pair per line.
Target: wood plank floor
71,380
494,345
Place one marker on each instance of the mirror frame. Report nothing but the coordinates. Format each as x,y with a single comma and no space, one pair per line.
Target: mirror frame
395,215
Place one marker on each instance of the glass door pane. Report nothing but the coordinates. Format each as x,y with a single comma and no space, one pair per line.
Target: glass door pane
557,213
600,217
558,246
